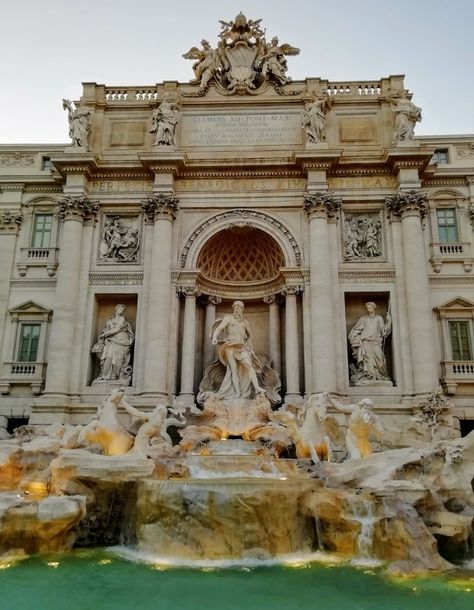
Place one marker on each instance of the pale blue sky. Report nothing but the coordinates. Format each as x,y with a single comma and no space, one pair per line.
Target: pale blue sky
48,47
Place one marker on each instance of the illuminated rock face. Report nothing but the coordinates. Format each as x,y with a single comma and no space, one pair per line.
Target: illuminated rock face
222,518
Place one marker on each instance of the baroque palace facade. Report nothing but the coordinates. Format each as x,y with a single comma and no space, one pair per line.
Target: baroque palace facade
348,239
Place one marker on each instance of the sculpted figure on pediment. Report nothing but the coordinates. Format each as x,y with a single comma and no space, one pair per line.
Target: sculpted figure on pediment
243,61
79,124
314,119
273,61
407,115
163,122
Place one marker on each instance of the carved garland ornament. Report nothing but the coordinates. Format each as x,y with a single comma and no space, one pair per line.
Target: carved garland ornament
246,215
77,207
160,206
406,202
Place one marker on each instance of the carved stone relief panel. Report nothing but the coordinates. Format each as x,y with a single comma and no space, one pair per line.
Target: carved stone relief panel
120,238
363,236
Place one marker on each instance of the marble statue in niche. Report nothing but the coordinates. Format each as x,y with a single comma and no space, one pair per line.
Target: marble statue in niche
239,372
314,119
113,348
407,115
367,341
362,237
119,242
79,124
163,122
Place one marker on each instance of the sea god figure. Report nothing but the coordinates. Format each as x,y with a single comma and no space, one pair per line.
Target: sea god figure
113,349
367,342
237,355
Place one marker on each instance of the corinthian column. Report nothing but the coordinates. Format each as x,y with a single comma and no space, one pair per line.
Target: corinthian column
189,344
412,206
274,331
292,354
160,211
320,207
208,349
73,211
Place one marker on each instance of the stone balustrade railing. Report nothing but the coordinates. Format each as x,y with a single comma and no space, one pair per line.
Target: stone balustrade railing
345,89
130,94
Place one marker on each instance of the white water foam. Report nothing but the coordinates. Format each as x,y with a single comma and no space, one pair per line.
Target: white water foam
296,560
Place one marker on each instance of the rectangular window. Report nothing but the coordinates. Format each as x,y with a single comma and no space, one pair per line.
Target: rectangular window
460,340
42,227
47,165
447,225
441,157
28,347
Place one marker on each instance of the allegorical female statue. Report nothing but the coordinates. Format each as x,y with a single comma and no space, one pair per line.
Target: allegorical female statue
113,349
367,343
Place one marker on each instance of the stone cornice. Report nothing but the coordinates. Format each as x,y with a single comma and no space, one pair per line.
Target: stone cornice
13,187
408,157
10,222
169,162
76,163
76,207
408,203
160,206
321,205
317,159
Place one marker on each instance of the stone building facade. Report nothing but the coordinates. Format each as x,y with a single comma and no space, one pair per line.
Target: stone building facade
303,199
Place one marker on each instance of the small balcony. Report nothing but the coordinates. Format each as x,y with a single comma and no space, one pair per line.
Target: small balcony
456,372
38,257
451,252
23,373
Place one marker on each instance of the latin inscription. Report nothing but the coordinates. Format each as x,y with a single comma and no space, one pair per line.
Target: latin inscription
244,184
263,129
113,186
361,182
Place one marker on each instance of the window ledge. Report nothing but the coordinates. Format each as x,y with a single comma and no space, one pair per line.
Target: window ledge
23,373
38,257
455,372
451,252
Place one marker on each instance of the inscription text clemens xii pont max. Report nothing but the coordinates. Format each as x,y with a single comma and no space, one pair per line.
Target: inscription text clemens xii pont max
266,129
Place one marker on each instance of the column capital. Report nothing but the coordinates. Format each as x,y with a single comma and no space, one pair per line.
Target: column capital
321,205
188,291
160,206
76,207
292,290
10,222
212,299
270,299
408,203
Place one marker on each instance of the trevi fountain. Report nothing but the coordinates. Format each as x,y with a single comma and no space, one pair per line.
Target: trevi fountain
249,488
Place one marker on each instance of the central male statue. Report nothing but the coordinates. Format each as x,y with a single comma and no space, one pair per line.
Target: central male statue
237,355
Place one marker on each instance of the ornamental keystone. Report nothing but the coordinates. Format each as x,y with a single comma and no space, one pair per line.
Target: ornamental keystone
322,205
160,206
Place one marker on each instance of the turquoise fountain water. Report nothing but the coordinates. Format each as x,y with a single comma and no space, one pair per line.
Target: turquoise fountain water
99,580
